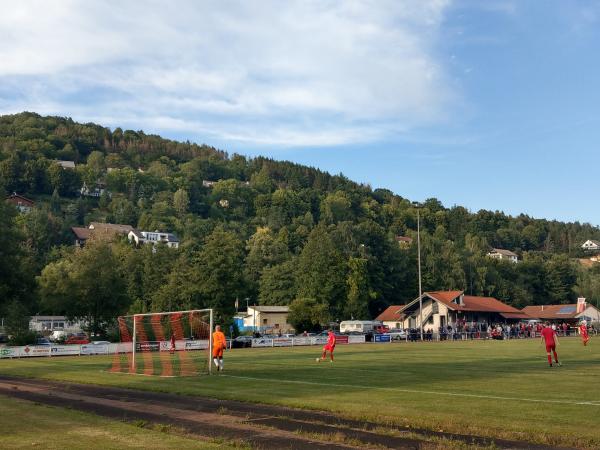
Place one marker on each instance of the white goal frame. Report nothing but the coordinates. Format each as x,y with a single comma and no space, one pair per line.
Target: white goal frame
168,313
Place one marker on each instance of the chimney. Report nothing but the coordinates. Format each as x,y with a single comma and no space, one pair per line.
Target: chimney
542,307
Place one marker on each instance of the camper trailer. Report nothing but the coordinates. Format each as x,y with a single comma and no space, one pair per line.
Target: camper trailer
358,326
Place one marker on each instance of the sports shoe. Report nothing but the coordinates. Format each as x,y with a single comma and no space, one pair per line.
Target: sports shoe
558,364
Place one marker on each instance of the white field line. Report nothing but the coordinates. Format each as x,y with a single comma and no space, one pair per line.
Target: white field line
416,391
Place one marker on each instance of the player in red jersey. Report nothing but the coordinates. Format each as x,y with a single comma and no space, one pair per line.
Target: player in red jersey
583,331
551,339
329,347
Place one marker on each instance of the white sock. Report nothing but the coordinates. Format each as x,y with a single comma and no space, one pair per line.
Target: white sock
216,360
221,364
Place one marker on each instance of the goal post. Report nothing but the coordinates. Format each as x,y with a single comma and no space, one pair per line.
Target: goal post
170,343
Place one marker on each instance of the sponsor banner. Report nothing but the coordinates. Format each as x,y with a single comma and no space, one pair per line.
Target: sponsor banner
356,339
282,342
145,346
60,350
341,339
9,352
121,347
94,349
262,342
193,345
382,338
38,350
301,341
318,340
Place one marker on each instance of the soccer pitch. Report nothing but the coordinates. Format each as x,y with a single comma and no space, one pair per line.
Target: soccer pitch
502,389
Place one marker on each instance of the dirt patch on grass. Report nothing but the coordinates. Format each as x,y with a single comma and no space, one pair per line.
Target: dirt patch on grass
256,425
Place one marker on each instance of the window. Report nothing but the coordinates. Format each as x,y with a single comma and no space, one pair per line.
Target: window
264,321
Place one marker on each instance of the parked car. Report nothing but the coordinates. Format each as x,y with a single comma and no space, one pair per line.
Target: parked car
42,341
242,342
381,329
80,338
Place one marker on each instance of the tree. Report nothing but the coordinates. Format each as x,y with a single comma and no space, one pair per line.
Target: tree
86,284
307,314
17,324
181,202
264,250
219,271
321,271
277,285
359,293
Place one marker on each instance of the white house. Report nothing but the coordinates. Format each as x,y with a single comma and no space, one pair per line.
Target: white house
591,245
499,253
65,164
54,323
153,237
96,191
267,319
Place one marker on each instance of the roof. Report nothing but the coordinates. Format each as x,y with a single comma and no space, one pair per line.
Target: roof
517,315
552,311
593,242
487,304
503,252
404,239
391,314
81,233
66,164
471,303
270,309
110,227
19,199
446,297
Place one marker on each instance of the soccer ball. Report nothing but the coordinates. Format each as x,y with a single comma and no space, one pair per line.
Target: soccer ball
317,359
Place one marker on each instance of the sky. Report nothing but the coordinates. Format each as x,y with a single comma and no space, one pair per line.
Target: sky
486,104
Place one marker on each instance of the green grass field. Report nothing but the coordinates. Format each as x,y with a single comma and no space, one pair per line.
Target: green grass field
491,388
27,425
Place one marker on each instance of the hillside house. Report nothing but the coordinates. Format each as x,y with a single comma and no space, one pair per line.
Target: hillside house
99,230
153,237
65,164
23,204
506,255
591,245
403,241
95,191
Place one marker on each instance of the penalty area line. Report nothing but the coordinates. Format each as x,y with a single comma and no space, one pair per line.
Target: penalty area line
417,391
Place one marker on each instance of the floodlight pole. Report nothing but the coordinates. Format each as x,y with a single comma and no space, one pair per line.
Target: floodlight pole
419,264
210,343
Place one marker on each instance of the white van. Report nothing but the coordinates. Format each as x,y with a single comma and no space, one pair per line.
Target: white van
360,326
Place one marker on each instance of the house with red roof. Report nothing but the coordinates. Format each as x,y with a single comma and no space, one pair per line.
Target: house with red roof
23,204
570,313
392,317
443,308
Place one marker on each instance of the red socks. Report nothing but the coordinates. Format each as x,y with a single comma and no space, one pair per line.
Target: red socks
555,356
549,359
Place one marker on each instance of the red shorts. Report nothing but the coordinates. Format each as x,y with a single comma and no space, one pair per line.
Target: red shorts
329,348
550,348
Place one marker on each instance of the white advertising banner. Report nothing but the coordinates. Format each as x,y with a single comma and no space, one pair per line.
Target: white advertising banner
356,339
262,342
301,341
282,342
318,340
193,345
94,349
63,350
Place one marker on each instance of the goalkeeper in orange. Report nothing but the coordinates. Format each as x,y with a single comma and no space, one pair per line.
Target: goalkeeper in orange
219,345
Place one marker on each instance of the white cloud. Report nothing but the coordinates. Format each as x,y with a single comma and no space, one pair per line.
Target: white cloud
268,72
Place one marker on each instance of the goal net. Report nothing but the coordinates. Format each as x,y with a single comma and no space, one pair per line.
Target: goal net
176,343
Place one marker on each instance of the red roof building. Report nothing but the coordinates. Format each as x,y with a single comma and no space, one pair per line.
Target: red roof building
563,313
23,204
443,308
391,316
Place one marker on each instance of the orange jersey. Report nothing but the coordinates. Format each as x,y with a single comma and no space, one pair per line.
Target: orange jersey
219,341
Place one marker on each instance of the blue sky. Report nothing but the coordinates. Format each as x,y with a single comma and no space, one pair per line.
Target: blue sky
486,104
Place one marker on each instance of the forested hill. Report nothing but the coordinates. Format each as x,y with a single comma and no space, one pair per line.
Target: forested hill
271,231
